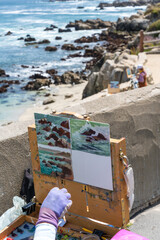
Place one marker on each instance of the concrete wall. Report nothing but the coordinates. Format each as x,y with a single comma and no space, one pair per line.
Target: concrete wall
134,115
14,159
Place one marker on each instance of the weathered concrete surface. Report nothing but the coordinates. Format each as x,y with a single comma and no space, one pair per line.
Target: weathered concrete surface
14,158
147,223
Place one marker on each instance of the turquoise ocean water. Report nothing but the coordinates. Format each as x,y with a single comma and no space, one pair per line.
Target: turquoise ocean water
23,17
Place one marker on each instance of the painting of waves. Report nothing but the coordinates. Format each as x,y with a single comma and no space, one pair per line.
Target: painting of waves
90,137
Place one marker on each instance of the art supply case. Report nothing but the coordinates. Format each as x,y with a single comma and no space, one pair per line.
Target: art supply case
93,208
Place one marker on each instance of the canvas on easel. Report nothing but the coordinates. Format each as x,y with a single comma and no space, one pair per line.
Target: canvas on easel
113,87
75,149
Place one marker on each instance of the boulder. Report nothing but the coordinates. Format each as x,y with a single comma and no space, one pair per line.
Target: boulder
70,77
45,41
88,39
37,75
10,82
58,38
60,30
113,69
132,25
21,38
89,24
49,29
48,101
69,47
36,84
2,73
29,39
51,72
8,33
3,89
24,66
51,49
82,26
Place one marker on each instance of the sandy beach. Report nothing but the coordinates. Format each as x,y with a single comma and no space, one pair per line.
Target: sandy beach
61,102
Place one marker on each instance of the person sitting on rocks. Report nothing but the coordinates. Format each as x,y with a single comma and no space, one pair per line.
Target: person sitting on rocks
141,76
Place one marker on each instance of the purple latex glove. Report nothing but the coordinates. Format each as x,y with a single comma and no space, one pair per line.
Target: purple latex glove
54,205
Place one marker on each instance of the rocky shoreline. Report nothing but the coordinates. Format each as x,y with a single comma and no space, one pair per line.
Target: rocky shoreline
117,37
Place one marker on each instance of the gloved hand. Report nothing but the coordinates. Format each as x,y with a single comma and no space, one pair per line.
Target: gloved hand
54,206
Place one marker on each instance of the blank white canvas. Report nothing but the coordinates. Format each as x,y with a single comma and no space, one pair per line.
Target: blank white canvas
91,169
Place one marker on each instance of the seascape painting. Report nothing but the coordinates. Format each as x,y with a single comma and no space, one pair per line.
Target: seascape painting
91,137
114,84
74,149
53,136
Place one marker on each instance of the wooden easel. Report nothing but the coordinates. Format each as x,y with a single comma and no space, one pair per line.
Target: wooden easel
111,207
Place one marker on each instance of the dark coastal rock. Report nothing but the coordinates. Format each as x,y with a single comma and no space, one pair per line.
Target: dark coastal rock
60,30
71,25
58,38
24,66
3,89
76,55
96,52
48,29
88,39
8,33
70,77
36,84
80,7
51,72
89,24
10,82
51,28
29,39
70,47
131,25
37,75
21,38
51,49
48,101
130,3
45,41
3,73
67,78
65,124
57,79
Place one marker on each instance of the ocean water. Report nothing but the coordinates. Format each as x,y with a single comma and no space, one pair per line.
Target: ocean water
23,17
